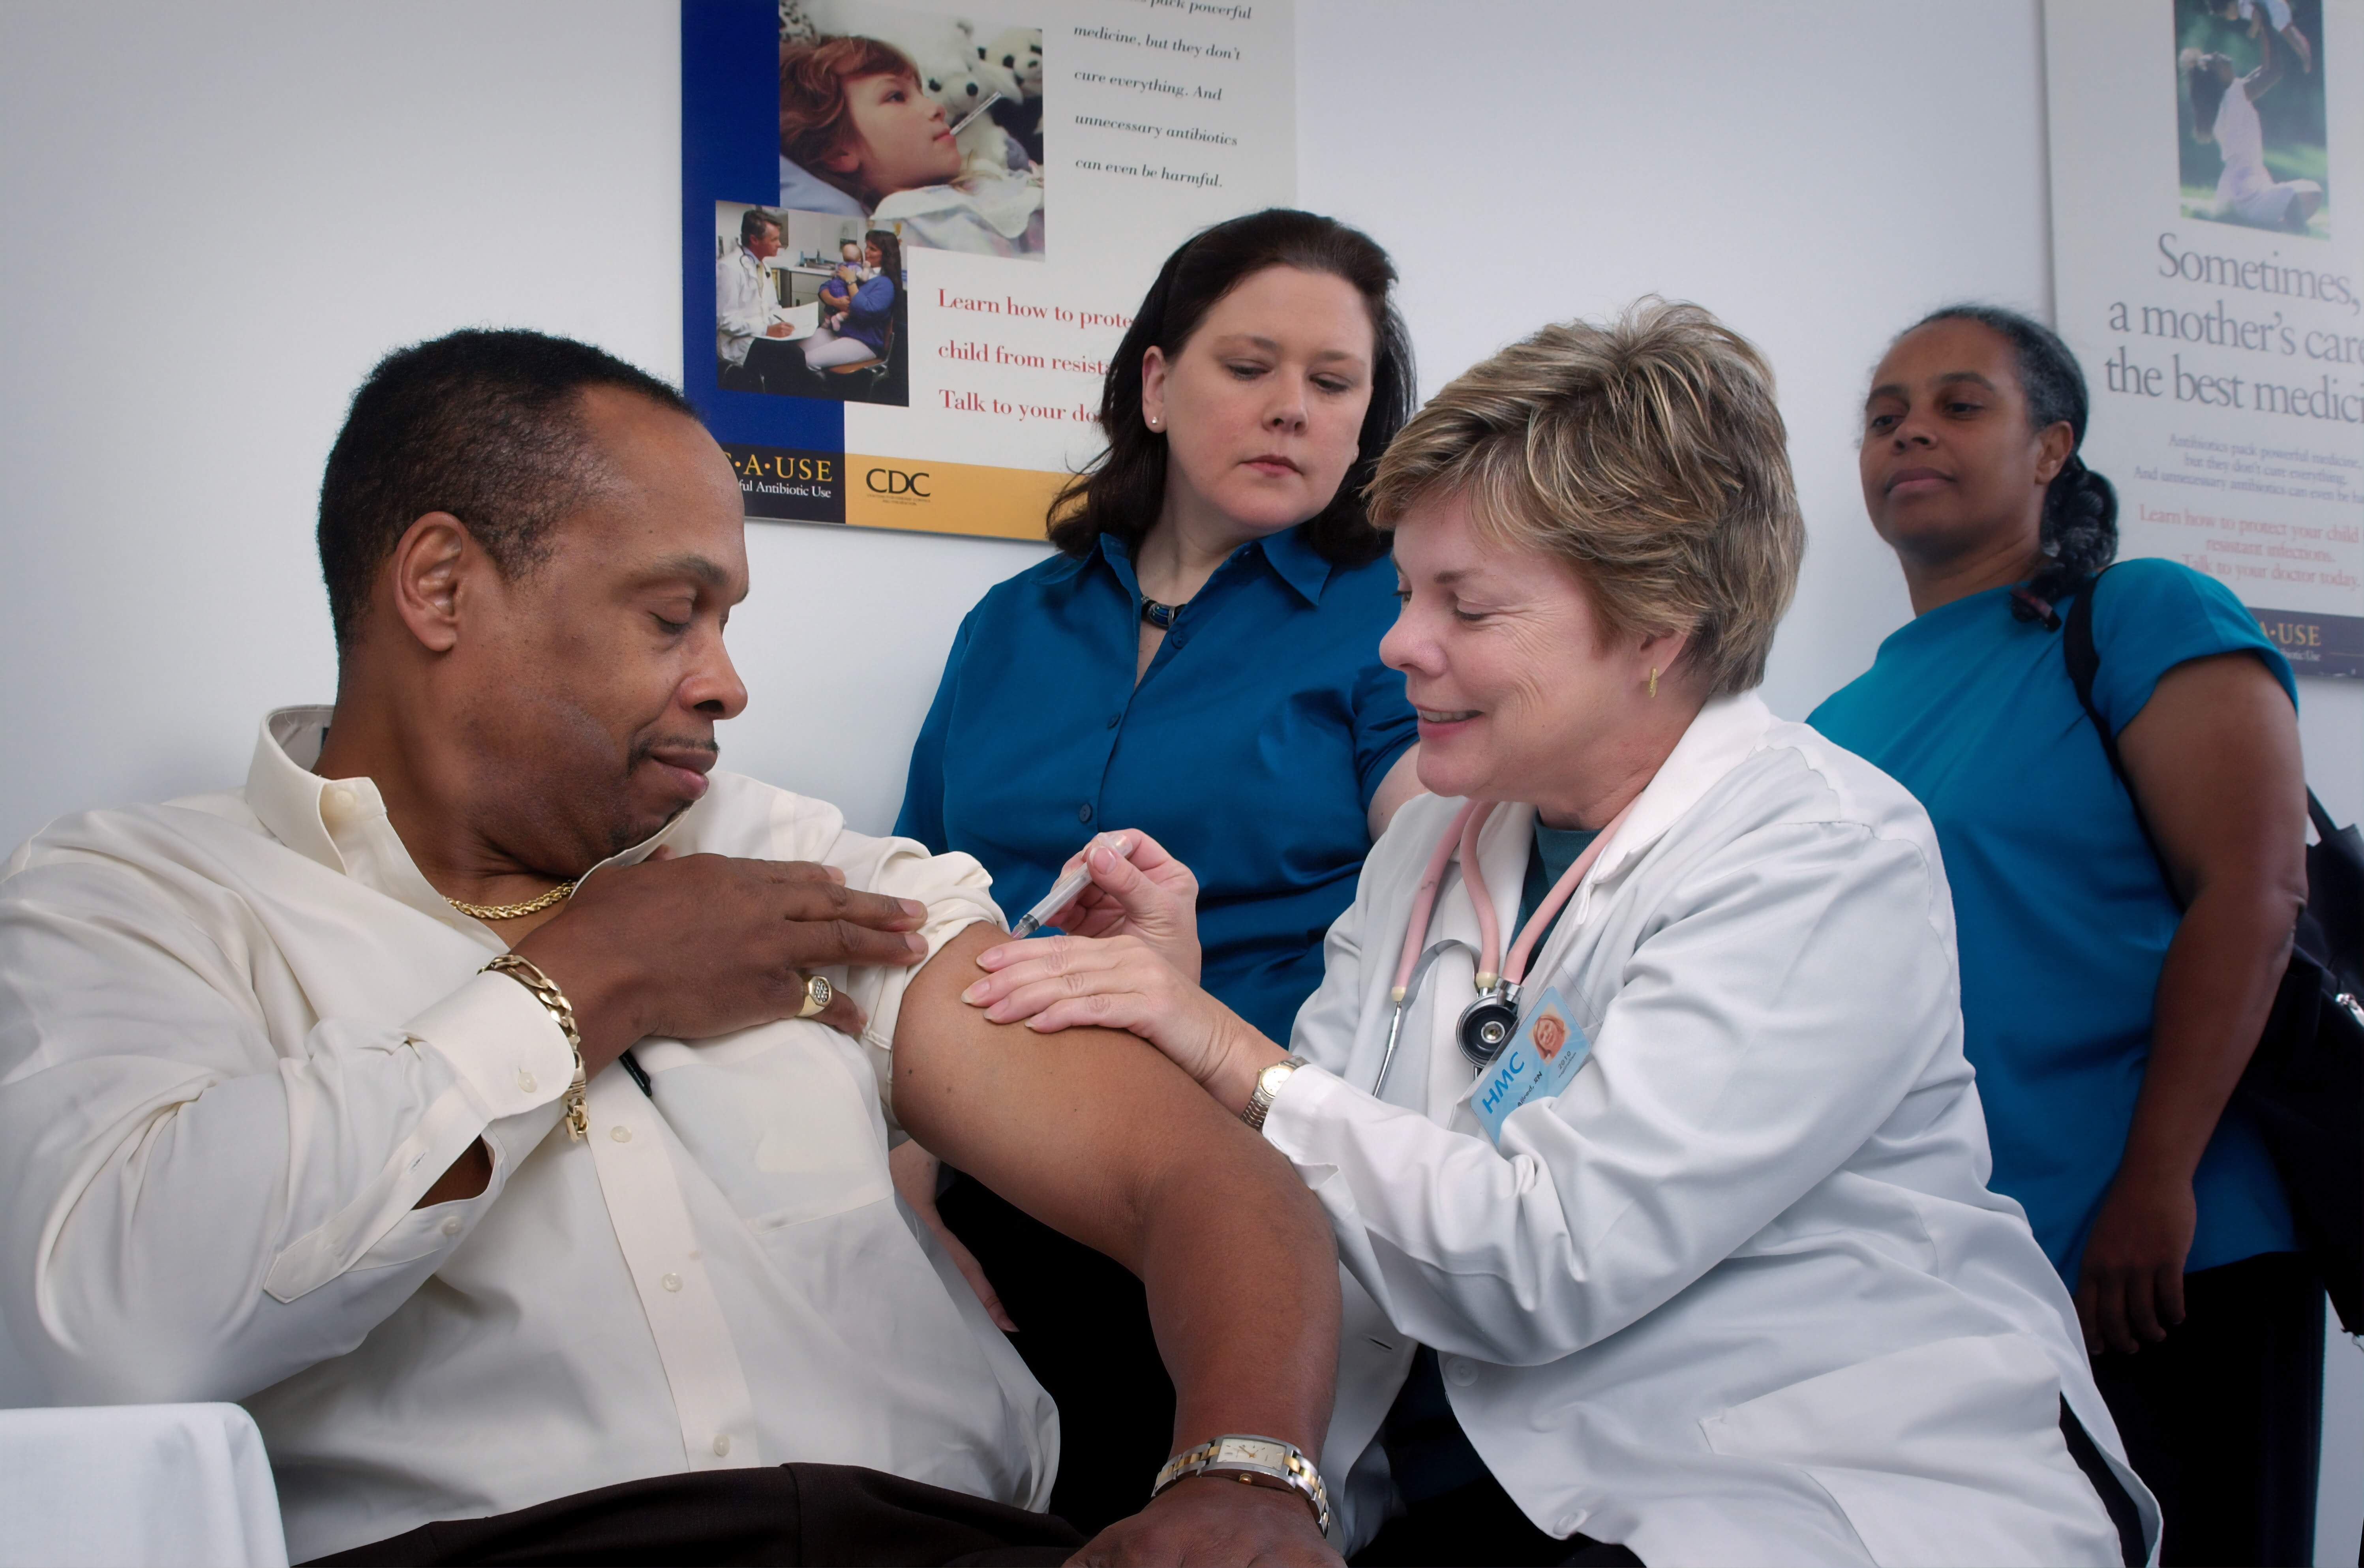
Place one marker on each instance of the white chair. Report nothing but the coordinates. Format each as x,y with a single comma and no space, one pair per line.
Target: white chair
137,1486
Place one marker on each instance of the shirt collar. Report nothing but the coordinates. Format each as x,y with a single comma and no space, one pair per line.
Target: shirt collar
281,789
1292,560
1725,732
318,818
1297,563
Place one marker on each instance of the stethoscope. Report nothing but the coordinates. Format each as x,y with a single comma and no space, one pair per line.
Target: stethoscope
1487,1023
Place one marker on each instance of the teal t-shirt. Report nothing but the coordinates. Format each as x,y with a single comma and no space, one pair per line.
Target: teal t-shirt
2062,916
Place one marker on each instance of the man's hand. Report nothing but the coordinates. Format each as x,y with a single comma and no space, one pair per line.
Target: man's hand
1213,1519
700,945
2130,1283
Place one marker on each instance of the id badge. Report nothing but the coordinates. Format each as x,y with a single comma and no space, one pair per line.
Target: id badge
1540,1060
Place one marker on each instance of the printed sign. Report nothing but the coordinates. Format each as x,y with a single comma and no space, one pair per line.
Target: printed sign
912,234
2208,267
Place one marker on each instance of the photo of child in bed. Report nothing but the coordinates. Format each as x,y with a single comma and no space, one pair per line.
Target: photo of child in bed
901,119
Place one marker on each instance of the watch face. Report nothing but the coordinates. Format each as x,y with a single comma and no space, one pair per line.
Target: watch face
1273,1077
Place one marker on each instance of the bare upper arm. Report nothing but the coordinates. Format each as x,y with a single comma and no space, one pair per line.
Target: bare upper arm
2214,757
1079,1129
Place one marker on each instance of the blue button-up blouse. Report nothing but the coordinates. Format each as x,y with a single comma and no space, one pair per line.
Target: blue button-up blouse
1251,748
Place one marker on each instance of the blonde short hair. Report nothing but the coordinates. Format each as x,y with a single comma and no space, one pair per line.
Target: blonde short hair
1648,454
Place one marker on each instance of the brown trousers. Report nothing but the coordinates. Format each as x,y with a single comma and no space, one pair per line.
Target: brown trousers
793,1514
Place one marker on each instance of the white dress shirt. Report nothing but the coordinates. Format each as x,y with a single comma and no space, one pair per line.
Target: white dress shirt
1740,1293
745,303
241,1035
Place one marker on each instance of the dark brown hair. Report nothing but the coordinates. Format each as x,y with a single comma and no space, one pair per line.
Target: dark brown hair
890,256
1123,490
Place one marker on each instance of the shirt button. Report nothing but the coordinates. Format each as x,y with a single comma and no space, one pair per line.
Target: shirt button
1459,1372
722,1445
525,1080
620,1134
451,1225
340,797
670,1281
1179,639
1084,812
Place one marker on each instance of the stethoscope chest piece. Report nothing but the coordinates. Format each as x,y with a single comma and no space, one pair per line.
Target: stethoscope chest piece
1488,1023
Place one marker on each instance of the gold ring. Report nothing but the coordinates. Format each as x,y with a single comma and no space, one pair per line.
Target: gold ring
819,993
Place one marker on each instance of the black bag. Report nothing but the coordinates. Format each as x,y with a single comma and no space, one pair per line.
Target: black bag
2304,1087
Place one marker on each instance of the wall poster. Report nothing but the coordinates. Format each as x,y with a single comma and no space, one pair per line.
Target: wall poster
2208,267
913,233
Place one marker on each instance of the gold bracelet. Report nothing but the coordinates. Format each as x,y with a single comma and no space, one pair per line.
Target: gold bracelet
527,973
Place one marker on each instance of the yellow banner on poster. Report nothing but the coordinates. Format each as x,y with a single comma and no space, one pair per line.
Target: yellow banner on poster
926,497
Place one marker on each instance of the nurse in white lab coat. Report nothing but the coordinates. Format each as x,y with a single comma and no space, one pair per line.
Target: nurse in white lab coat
1738,1292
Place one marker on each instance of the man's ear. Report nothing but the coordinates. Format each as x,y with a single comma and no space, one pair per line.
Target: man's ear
432,562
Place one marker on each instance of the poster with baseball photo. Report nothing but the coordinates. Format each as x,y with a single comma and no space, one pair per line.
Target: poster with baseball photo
913,233
2204,272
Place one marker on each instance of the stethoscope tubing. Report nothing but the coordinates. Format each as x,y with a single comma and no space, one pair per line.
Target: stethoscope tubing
1487,1024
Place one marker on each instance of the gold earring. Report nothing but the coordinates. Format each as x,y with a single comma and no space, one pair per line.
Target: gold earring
1654,679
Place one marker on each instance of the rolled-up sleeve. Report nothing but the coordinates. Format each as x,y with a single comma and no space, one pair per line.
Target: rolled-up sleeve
195,1213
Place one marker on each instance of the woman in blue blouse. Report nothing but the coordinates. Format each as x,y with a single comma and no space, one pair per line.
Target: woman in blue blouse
2109,1015
1200,661
869,311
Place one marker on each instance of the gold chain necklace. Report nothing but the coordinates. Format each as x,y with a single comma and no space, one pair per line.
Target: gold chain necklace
558,894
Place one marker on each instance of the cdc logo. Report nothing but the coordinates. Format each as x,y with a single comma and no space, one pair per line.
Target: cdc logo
896,481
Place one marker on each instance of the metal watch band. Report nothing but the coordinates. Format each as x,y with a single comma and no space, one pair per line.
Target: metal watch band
1247,1457
1260,1099
544,990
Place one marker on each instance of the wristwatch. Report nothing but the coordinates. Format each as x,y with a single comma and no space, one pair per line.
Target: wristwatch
1268,1085
1256,1461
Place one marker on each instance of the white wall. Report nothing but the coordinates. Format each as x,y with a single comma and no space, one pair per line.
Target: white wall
219,217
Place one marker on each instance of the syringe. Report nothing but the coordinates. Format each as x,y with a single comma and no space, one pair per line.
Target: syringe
1063,892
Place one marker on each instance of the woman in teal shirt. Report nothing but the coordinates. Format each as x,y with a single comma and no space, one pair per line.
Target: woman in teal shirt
2108,1026
1200,661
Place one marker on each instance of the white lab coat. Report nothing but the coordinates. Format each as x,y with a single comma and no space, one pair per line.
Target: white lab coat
745,305
1740,1294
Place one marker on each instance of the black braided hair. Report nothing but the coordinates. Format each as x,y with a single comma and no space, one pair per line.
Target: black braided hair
2080,532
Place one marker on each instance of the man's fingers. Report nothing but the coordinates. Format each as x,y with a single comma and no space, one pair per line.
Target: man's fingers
844,1016
813,898
818,944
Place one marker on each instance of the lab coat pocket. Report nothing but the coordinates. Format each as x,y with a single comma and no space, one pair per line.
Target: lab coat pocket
1948,1453
790,1132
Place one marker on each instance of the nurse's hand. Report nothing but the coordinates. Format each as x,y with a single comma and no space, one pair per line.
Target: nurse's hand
1147,893
1118,983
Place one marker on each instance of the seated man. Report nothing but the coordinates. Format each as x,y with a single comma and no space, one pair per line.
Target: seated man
292,1102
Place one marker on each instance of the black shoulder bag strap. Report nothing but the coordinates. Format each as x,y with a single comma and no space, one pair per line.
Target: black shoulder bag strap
2305,1084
